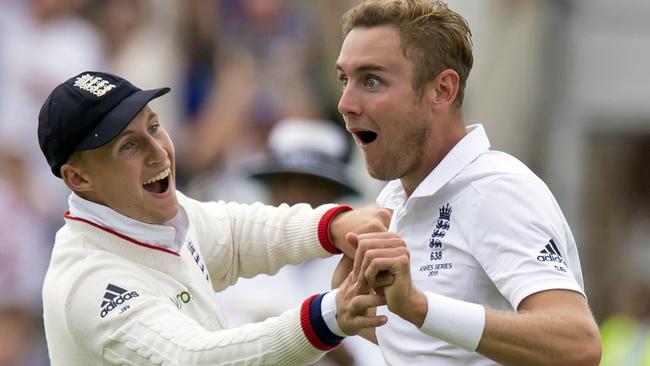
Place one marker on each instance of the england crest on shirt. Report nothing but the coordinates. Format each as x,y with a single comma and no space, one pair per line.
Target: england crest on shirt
439,232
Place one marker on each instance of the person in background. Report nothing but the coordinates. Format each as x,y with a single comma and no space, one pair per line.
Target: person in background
626,333
23,260
306,162
263,72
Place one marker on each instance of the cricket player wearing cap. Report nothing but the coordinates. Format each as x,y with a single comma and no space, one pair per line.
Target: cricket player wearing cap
134,269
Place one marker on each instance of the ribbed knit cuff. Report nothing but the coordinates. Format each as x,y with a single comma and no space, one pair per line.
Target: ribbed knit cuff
314,327
324,228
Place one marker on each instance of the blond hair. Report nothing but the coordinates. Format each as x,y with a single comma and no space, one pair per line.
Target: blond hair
433,36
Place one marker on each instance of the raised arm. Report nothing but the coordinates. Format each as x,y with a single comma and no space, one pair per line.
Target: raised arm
245,240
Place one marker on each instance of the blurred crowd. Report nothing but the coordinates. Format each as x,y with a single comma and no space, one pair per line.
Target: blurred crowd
253,84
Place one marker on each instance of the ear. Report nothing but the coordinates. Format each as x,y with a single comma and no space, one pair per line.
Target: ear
75,179
442,91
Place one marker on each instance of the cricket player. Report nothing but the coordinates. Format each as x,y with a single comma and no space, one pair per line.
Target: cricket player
134,269
483,267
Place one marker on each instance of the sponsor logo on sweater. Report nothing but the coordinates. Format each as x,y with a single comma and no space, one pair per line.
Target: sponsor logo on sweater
114,298
197,259
181,298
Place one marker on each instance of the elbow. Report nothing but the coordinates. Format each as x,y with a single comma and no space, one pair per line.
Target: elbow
590,351
593,354
591,357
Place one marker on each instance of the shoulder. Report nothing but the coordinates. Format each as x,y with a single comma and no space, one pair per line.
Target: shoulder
493,164
94,296
79,278
499,171
206,210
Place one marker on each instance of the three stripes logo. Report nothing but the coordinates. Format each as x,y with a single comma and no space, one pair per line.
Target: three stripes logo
551,253
114,297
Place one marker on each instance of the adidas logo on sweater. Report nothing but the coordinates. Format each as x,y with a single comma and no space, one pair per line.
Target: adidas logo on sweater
551,253
114,297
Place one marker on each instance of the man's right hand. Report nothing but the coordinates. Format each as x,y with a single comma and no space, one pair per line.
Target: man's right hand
382,262
356,307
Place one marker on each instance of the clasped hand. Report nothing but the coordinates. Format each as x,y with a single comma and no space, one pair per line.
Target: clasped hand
379,275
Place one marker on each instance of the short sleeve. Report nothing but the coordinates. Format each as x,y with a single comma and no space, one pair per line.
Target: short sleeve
521,239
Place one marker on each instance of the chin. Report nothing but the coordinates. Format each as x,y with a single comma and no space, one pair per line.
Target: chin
162,215
378,173
170,213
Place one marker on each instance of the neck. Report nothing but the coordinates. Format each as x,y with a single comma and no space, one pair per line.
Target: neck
438,146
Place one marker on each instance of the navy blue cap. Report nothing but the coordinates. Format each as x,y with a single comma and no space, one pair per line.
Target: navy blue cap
86,112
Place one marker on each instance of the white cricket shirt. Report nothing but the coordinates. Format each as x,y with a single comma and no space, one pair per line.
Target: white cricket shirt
481,228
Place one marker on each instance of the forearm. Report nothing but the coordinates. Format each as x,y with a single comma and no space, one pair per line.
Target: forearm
262,239
164,337
551,334
540,338
552,328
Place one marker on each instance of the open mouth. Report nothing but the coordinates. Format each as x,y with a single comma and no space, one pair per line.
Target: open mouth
366,137
159,183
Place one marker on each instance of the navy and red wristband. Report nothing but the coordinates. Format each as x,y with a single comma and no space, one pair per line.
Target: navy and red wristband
314,326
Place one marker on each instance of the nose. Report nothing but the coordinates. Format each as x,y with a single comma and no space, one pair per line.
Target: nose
349,104
157,152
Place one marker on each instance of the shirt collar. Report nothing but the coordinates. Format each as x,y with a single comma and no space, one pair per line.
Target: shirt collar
169,235
473,144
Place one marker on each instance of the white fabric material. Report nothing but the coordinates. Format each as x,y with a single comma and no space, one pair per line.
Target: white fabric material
489,250
458,322
328,309
169,235
108,300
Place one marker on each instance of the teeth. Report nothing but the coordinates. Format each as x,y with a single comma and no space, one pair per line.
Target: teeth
164,174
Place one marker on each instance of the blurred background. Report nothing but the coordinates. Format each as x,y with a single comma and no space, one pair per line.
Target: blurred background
561,84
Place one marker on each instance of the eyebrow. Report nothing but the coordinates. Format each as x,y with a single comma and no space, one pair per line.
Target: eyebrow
364,68
124,134
127,132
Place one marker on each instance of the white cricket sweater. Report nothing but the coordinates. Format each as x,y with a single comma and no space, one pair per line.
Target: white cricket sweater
112,300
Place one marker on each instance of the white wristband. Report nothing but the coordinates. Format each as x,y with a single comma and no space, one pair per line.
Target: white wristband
328,310
458,322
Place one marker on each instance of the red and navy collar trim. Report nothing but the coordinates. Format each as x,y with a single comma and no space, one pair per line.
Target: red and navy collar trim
68,216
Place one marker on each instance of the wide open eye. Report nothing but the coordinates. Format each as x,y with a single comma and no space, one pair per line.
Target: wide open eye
343,82
372,82
126,146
